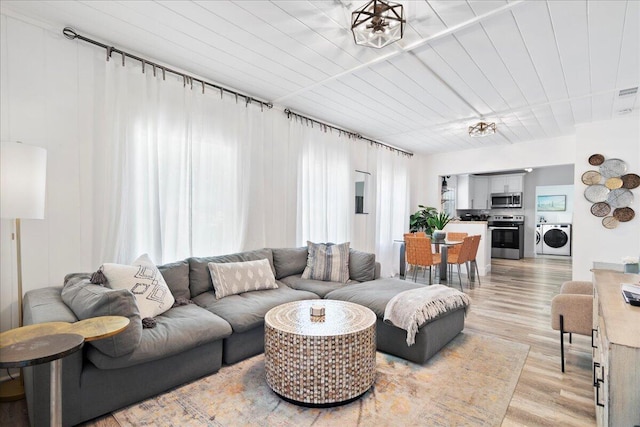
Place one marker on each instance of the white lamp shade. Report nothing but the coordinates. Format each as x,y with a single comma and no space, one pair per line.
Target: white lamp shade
23,173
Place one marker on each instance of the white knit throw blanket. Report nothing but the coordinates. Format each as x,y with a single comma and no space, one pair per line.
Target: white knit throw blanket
413,308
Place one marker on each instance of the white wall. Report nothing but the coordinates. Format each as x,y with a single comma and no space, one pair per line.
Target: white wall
42,106
620,139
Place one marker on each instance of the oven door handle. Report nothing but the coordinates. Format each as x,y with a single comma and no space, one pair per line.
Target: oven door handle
503,228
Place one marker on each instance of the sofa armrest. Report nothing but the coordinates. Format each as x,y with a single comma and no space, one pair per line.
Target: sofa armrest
377,273
46,305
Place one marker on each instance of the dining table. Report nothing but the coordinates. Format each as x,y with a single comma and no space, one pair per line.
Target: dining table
441,246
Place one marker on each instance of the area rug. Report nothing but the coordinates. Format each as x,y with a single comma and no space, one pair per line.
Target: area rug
469,382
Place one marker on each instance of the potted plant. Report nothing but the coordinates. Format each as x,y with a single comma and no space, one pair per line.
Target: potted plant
419,221
437,222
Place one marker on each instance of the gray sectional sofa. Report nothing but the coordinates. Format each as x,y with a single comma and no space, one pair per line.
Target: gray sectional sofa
193,340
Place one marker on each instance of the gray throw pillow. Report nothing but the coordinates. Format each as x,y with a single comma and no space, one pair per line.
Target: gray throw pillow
87,300
327,262
362,266
176,274
289,261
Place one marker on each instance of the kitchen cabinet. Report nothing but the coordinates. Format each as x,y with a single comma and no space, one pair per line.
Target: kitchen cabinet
513,183
480,199
472,192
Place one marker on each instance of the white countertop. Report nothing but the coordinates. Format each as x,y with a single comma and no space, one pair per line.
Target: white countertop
468,222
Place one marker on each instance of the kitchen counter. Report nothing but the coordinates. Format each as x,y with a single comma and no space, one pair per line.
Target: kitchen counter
456,221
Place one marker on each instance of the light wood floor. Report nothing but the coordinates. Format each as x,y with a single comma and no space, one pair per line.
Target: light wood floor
513,303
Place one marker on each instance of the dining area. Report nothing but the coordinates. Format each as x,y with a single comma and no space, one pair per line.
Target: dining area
438,254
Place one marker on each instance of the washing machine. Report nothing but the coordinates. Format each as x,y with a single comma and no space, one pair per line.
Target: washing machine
556,239
538,239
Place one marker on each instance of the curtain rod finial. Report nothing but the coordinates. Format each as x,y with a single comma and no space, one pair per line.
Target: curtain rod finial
69,33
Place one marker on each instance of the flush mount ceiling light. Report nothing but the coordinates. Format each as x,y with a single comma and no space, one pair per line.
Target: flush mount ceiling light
378,23
482,129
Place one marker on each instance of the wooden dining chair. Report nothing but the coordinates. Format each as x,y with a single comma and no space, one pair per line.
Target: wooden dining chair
407,264
462,257
454,250
472,257
420,255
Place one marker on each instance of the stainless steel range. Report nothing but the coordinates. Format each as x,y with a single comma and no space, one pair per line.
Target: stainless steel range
507,236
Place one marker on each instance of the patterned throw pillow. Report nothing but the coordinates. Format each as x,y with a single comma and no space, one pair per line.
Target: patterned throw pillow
231,278
144,281
327,262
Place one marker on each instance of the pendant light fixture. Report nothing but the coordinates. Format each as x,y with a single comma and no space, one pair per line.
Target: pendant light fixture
481,129
378,23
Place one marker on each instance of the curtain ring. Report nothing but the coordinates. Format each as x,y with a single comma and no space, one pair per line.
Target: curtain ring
109,51
142,61
202,87
154,70
122,53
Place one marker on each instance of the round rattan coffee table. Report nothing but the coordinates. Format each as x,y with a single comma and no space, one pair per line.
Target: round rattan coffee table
320,361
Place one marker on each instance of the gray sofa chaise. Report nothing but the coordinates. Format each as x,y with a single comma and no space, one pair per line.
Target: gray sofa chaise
193,340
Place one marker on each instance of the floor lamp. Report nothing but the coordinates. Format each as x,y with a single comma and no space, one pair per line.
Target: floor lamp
23,171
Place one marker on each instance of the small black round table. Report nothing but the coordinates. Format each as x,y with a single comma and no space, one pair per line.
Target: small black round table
43,349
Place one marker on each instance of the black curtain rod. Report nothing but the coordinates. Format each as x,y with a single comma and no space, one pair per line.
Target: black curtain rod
71,34
350,134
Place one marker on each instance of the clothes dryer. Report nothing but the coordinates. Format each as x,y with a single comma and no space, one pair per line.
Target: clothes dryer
556,239
538,239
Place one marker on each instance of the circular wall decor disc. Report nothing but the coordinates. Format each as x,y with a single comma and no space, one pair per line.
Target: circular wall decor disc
613,183
630,180
591,177
624,214
613,167
596,193
609,222
596,159
620,198
600,209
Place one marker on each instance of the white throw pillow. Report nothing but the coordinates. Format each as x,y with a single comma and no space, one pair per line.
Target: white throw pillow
145,282
230,278
327,262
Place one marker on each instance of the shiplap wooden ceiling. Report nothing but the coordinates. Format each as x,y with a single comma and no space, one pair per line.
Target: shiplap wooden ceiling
536,68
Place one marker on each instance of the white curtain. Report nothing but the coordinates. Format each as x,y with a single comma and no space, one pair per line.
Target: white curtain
392,208
176,172
325,207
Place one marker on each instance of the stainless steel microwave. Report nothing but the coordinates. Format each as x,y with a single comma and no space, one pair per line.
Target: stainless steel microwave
506,200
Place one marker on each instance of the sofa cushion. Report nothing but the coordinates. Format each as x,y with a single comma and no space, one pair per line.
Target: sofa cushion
289,261
177,330
362,266
374,294
176,274
145,282
231,278
246,311
87,300
318,287
199,277
327,261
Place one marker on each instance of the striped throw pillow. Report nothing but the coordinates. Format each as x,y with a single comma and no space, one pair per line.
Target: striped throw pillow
327,262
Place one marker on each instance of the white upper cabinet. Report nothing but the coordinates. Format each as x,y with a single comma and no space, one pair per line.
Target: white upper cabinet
480,199
472,192
507,183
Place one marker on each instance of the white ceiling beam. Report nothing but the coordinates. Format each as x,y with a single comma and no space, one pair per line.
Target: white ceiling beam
415,45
